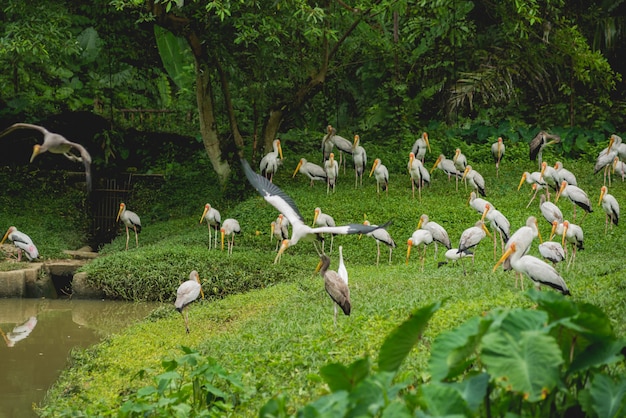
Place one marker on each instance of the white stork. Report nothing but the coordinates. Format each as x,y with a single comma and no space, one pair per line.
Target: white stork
22,242
523,237
130,220
336,288
230,227
537,270
611,208
324,220
359,157
447,166
419,174
213,220
342,144
313,171
187,292
460,162
381,235
497,150
419,237
56,144
564,174
478,204
573,234
332,171
476,180
577,196
550,211
381,174
285,205
619,167
272,160
471,237
498,223
420,146
440,235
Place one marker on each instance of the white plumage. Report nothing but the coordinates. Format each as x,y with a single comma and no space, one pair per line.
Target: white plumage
22,242
272,160
187,292
230,227
130,220
213,220
285,205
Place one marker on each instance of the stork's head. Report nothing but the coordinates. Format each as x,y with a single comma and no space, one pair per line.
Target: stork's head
119,212
36,152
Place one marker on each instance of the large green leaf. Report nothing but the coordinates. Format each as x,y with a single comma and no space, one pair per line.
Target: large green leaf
441,399
175,54
608,397
598,354
473,390
450,353
528,364
518,321
399,343
333,405
339,377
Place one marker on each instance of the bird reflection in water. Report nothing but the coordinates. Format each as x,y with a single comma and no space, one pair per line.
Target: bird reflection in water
20,332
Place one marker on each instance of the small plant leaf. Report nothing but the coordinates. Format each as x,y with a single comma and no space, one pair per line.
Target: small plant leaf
399,343
451,349
441,399
473,390
339,377
607,396
333,405
528,364
598,354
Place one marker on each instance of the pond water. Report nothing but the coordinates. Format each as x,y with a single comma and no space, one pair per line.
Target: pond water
38,335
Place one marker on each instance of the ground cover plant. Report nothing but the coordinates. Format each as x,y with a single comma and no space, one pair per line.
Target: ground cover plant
279,334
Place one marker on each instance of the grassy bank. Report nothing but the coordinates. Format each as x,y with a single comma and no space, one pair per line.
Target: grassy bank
279,332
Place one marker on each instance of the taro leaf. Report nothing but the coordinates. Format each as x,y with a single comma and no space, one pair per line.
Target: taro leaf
90,44
396,409
372,394
598,354
175,54
339,377
333,405
607,396
518,321
528,363
441,399
557,305
399,343
450,353
473,390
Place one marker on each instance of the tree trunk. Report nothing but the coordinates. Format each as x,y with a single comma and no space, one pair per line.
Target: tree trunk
208,127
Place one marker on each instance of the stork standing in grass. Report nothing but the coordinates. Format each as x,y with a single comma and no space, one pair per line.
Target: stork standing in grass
497,150
419,237
460,162
381,235
577,196
332,171
188,292
213,220
359,157
539,142
440,235
130,220
313,171
229,228
272,160
336,288
420,146
610,207
475,179
419,174
382,176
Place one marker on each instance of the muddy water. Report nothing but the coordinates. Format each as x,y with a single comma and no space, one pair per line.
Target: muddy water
36,339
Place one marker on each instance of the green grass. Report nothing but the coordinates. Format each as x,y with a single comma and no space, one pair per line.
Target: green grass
279,334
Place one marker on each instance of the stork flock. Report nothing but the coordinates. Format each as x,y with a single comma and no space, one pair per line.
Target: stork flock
553,183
